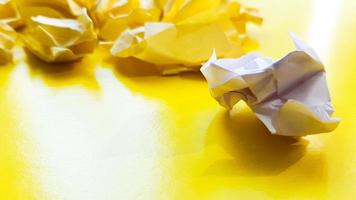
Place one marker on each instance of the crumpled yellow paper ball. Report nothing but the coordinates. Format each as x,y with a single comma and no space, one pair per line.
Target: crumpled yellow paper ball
7,41
176,35
9,14
57,30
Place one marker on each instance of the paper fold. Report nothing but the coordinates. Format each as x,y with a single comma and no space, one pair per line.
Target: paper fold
7,41
9,14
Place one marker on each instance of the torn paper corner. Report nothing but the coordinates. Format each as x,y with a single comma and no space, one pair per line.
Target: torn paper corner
58,32
289,96
7,41
176,36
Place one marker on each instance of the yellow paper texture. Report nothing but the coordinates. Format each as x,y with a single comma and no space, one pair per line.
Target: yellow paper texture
57,30
176,35
7,41
89,4
114,16
9,14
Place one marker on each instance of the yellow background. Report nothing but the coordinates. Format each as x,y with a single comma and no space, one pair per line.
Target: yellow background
104,128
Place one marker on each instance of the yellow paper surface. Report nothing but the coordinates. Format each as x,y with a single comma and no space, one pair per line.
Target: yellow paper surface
57,31
105,129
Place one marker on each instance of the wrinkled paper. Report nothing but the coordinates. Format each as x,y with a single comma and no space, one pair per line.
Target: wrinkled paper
115,16
289,96
57,30
7,41
9,14
176,35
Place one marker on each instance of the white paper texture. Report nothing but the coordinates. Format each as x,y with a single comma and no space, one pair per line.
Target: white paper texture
289,96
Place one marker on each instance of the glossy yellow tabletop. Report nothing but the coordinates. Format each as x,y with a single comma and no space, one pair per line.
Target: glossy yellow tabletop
105,128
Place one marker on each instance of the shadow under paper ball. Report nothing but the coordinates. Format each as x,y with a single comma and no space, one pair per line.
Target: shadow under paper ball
254,150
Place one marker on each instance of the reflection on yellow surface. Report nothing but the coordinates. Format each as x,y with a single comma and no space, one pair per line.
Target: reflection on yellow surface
104,128
323,25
